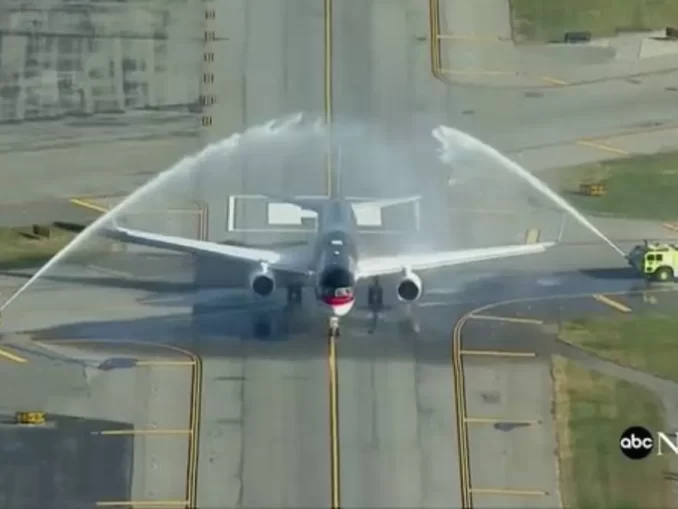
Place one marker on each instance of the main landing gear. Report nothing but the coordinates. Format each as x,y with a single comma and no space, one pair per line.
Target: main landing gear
375,296
375,302
294,295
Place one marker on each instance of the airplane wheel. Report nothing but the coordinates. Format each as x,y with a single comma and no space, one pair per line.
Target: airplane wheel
375,298
263,328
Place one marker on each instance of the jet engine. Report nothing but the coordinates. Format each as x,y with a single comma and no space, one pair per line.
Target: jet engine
262,282
410,287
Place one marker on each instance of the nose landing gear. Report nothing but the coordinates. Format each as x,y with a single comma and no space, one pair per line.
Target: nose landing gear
333,328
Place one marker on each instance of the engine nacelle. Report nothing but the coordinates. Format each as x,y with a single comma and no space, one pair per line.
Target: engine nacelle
409,288
262,282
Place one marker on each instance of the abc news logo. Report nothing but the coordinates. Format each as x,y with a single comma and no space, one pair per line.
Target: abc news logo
638,443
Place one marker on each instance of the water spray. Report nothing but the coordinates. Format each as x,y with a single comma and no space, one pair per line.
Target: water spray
223,149
451,140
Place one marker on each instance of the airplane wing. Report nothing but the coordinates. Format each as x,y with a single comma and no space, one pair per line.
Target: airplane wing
379,266
291,259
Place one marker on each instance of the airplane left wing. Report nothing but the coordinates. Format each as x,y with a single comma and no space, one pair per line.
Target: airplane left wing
380,266
292,260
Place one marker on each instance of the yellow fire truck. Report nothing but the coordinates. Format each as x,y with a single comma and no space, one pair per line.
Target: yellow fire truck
655,261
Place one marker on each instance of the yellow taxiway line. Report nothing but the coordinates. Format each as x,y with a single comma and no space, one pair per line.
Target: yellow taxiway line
507,491
334,424
492,420
335,484
612,303
477,73
159,363
121,432
603,147
474,38
82,202
434,44
12,357
143,503
532,236
507,319
554,81
497,353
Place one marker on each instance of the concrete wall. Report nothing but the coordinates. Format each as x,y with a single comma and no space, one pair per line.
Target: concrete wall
59,58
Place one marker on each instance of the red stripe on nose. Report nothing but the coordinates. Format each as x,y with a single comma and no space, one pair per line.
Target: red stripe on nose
337,301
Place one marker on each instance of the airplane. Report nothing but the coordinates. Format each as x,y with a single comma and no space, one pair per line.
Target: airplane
331,262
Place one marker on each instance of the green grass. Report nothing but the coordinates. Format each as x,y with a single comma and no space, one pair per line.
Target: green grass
642,187
648,343
19,248
546,20
591,411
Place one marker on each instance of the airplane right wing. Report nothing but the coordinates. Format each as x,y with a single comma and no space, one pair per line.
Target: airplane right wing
383,265
292,260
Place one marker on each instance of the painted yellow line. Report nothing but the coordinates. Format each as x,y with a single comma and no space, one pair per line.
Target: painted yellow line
612,303
118,432
142,503
484,211
12,357
508,491
110,272
497,353
532,236
328,91
165,363
489,420
434,42
507,319
471,37
334,424
603,147
478,73
88,205
554,81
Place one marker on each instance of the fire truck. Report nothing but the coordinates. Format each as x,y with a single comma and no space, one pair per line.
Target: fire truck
656,261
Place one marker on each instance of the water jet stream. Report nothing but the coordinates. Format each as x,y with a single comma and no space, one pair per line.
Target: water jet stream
223,149
451,140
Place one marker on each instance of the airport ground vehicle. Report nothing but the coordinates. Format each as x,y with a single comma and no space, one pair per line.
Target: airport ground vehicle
656,261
